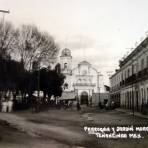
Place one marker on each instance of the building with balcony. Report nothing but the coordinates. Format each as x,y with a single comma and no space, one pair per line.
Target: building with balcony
129,84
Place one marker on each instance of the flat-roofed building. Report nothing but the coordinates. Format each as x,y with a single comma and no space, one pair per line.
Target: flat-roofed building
129,84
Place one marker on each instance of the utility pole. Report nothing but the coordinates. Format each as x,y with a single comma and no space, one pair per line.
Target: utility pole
4,12
99,75
38,78
3,19
133,102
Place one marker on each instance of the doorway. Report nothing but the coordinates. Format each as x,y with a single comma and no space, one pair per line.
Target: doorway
84,98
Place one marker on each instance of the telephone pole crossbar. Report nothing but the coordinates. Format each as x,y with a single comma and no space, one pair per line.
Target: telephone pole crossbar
5,11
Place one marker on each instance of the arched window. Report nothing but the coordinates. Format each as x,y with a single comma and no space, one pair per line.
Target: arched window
65,66
65,86
142,64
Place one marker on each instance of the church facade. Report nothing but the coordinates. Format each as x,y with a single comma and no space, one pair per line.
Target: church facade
83,80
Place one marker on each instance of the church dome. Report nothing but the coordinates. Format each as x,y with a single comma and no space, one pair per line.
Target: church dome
84,63
66,52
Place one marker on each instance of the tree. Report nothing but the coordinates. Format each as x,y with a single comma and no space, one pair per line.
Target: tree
50,82
9,69
58,68
10,74
34,45
30,45
7,38
55,85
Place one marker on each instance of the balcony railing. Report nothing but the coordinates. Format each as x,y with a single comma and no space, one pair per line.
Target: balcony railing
135,77
131,79
122,83
143,73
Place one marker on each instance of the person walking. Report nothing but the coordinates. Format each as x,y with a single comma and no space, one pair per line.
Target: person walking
78,106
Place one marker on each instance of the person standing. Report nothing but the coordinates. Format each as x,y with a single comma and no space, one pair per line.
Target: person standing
78,106
4,106
10,106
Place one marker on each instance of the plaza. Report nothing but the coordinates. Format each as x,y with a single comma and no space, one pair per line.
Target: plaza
65,128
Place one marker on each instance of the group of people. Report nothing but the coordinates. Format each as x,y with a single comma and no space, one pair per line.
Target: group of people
65,104
107,105
68,104
7,106
7,102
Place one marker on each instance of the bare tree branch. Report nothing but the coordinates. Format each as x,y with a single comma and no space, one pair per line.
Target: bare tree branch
31,44
6,38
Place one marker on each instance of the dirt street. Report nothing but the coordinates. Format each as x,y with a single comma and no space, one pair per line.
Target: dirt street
63,128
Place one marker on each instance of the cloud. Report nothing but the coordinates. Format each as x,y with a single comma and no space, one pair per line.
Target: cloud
78,42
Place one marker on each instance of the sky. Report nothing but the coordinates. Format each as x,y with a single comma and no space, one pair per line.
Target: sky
99,31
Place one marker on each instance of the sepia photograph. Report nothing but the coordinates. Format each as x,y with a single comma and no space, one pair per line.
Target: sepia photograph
73,74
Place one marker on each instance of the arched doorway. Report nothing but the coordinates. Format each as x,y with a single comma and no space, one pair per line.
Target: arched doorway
84,98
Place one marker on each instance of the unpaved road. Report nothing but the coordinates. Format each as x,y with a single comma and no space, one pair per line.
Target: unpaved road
48,129
62,129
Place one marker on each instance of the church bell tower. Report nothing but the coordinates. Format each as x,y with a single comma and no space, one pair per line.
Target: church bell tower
66,61
66,68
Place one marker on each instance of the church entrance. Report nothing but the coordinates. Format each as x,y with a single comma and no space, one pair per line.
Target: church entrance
84,98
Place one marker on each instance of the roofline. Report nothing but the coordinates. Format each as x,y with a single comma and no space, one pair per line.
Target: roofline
90,65
139,48
119,70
